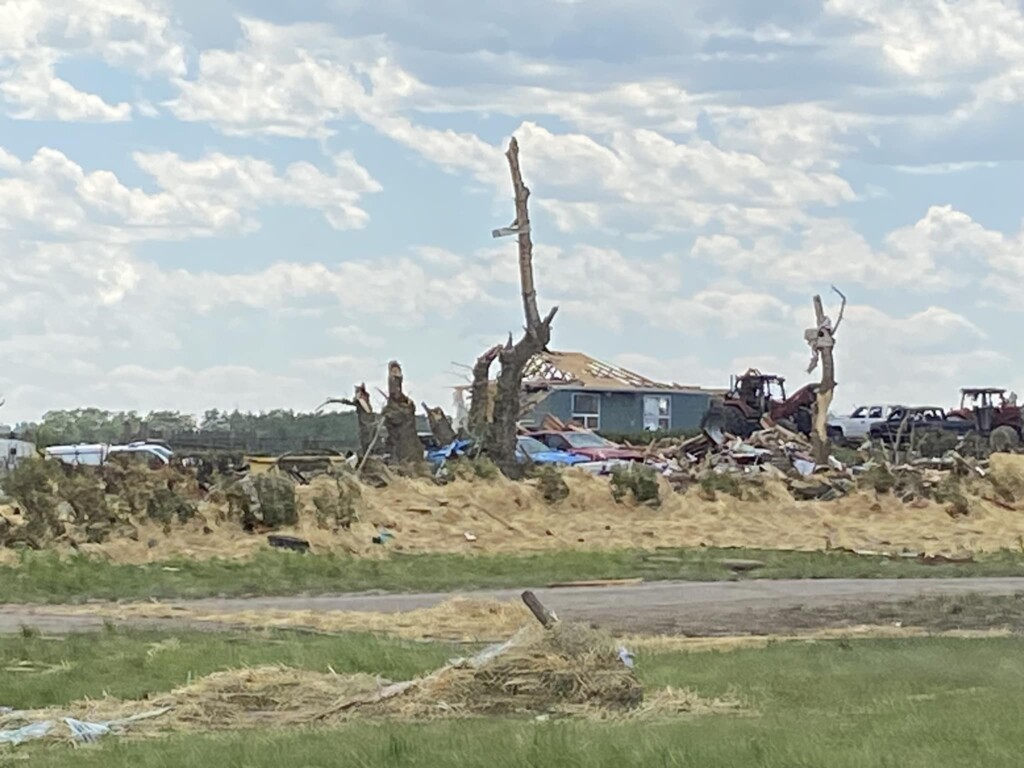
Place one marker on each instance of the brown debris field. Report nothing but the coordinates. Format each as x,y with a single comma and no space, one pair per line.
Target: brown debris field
500,516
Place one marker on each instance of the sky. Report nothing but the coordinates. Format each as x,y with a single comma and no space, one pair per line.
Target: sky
255,205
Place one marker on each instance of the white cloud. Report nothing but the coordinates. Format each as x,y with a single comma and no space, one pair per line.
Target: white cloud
197,197
355,336
626,172
289,81
926,38
37,35
34,92
945,248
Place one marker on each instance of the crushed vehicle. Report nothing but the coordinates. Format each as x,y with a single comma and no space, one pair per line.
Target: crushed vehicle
993,415
534,450
754,395
588,444
905,423
528,449
857,426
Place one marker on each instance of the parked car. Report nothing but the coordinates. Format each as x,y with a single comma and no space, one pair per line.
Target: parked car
857,426
95,454
588,444
916,420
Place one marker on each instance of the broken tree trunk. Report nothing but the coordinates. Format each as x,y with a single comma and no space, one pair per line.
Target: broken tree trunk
480,394
365,417
440,425
399,414
821,339
500,444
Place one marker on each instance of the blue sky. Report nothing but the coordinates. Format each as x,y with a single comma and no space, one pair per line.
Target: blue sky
256,205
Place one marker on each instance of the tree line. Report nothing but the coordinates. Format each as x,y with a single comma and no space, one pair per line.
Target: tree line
279,430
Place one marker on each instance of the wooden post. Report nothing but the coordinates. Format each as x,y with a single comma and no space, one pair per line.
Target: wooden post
542,614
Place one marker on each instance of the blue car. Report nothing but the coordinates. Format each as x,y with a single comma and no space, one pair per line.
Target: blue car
533,449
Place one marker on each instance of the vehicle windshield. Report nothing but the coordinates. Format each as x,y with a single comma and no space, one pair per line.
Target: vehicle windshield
586,440
860,413
532,446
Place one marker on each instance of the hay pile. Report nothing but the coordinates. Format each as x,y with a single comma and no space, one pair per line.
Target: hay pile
570,670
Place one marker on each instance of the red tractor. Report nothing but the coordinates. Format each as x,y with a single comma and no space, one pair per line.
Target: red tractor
754,395
995,416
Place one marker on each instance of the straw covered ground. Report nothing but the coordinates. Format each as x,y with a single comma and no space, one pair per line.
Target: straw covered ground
570,670
499,516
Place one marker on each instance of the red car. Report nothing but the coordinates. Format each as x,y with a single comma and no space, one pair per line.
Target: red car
594,447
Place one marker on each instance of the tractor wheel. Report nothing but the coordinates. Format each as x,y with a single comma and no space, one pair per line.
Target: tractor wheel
1004,440
727,419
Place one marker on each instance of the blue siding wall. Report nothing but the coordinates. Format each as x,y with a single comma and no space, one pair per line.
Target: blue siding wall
624,411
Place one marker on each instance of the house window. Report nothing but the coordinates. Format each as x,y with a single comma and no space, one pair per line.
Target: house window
586,411
657,413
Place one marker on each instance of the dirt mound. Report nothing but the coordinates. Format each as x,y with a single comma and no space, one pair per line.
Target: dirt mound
570,670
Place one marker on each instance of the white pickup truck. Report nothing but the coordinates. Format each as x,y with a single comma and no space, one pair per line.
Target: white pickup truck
857,426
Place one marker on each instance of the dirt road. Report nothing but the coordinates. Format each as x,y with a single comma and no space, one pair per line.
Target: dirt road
693,608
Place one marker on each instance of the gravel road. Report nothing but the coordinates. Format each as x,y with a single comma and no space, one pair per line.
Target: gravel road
665,607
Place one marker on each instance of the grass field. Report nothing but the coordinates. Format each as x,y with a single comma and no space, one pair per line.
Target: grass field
868,703
45,578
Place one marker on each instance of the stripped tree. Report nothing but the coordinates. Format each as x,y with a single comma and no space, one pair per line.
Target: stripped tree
479,417
365,417
821,340
500,441
399,414
440,425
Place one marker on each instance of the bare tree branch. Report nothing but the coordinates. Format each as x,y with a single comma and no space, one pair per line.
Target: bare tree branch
842,308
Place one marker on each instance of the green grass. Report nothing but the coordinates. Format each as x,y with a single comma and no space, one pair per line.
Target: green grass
922,703
46,578
131,664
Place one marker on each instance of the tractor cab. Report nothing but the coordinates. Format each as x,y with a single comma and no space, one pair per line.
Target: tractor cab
981,404
995,415
757,390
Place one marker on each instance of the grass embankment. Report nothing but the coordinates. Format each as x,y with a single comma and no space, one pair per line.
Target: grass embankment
913,703
45,578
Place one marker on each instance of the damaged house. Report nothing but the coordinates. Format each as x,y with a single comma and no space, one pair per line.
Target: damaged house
578,389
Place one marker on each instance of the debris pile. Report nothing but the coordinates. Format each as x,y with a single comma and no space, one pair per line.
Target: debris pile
772,453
